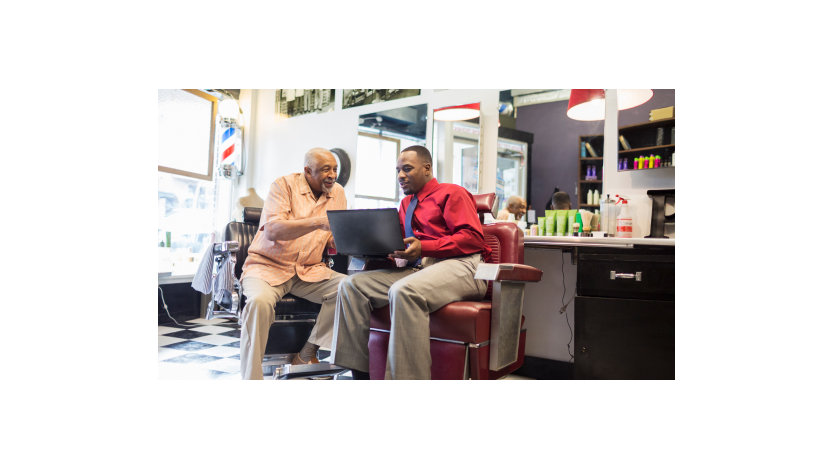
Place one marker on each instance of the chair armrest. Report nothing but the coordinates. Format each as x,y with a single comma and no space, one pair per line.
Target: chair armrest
508,272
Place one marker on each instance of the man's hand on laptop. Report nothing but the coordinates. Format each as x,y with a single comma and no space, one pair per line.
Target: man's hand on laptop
412,251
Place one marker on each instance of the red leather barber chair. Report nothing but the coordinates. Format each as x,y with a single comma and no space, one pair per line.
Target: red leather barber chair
474,340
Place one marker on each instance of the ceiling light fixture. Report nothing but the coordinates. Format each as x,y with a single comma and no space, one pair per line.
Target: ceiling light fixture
589,105
462,112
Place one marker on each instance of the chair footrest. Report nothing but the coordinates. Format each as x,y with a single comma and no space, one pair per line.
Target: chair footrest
322,369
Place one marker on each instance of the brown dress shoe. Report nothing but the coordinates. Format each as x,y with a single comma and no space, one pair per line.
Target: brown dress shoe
296,360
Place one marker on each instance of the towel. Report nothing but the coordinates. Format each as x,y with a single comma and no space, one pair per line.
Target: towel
225,279
203,277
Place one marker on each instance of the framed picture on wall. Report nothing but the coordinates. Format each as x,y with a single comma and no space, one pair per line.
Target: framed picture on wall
294,102
356,97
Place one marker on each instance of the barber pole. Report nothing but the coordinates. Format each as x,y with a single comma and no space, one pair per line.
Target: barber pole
227,146
229,150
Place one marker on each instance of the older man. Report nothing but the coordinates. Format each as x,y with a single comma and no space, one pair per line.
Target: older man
515,206
285,257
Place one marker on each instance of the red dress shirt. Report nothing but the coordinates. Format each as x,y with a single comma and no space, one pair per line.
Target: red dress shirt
445,221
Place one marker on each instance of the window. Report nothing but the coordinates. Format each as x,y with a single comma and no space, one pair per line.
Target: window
186,132
376,183
376,157
186,189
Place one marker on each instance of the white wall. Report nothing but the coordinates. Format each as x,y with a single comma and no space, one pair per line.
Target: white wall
276,146
630,184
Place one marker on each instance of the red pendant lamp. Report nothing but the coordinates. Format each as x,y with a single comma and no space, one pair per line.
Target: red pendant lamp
589,105
586,105
463,112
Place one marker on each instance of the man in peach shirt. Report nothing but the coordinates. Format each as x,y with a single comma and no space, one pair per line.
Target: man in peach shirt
285,257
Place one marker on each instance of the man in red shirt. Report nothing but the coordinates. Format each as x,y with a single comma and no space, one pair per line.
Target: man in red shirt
444,244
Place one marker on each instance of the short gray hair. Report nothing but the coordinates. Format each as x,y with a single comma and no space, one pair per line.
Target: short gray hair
310,156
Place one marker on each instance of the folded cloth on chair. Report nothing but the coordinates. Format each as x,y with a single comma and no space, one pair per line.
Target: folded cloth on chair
202,278
225,279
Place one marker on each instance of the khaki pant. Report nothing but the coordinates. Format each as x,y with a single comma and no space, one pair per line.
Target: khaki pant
412,294
259,313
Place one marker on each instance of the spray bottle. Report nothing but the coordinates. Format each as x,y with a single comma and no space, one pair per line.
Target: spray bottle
624,222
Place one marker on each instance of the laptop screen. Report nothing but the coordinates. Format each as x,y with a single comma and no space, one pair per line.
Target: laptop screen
366,232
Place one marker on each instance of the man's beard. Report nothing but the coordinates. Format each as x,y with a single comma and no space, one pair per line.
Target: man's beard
325,188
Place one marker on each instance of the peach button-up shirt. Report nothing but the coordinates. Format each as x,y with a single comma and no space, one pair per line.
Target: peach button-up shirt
290,198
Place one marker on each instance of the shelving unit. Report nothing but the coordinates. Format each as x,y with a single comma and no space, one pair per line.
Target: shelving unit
645,140
596,142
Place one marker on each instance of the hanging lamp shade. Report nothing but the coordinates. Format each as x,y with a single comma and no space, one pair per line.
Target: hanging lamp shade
586,105
463,112
589,105
627,99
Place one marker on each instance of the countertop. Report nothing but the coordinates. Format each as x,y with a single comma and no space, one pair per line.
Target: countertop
612,242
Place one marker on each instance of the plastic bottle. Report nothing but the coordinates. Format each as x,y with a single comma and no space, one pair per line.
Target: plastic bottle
609,218
651,161
624,222
596,197
636,161
590,198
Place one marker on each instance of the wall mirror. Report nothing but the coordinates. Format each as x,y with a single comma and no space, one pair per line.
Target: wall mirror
456,145
381,137
568,152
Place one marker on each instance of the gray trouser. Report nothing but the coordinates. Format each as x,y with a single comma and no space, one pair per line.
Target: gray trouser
259,313
412,294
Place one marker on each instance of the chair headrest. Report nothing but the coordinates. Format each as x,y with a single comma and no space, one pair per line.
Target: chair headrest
484,202
252,215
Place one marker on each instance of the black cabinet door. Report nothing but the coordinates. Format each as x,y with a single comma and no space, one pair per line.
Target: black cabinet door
624,338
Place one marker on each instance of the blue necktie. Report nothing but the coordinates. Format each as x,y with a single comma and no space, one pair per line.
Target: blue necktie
409,214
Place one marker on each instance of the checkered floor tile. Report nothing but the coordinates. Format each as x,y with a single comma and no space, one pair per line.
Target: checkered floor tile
204,349
208,349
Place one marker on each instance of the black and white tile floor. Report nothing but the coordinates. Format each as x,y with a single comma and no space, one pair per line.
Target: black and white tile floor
207,349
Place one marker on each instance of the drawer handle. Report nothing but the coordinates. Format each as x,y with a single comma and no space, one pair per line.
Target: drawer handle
638,276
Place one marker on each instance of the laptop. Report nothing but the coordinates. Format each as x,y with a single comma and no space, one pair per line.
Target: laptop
366,232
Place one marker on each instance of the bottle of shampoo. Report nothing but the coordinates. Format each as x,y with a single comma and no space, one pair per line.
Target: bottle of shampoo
596,197
590,197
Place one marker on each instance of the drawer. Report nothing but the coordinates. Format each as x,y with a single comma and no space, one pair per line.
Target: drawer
626,275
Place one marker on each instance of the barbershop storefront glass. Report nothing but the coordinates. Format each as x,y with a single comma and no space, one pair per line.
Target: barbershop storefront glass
186,183
185,219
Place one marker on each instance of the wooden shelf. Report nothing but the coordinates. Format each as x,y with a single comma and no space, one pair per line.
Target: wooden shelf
648,125
649,169
588,162
647,149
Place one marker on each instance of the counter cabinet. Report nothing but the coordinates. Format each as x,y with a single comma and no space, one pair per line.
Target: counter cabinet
625,313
